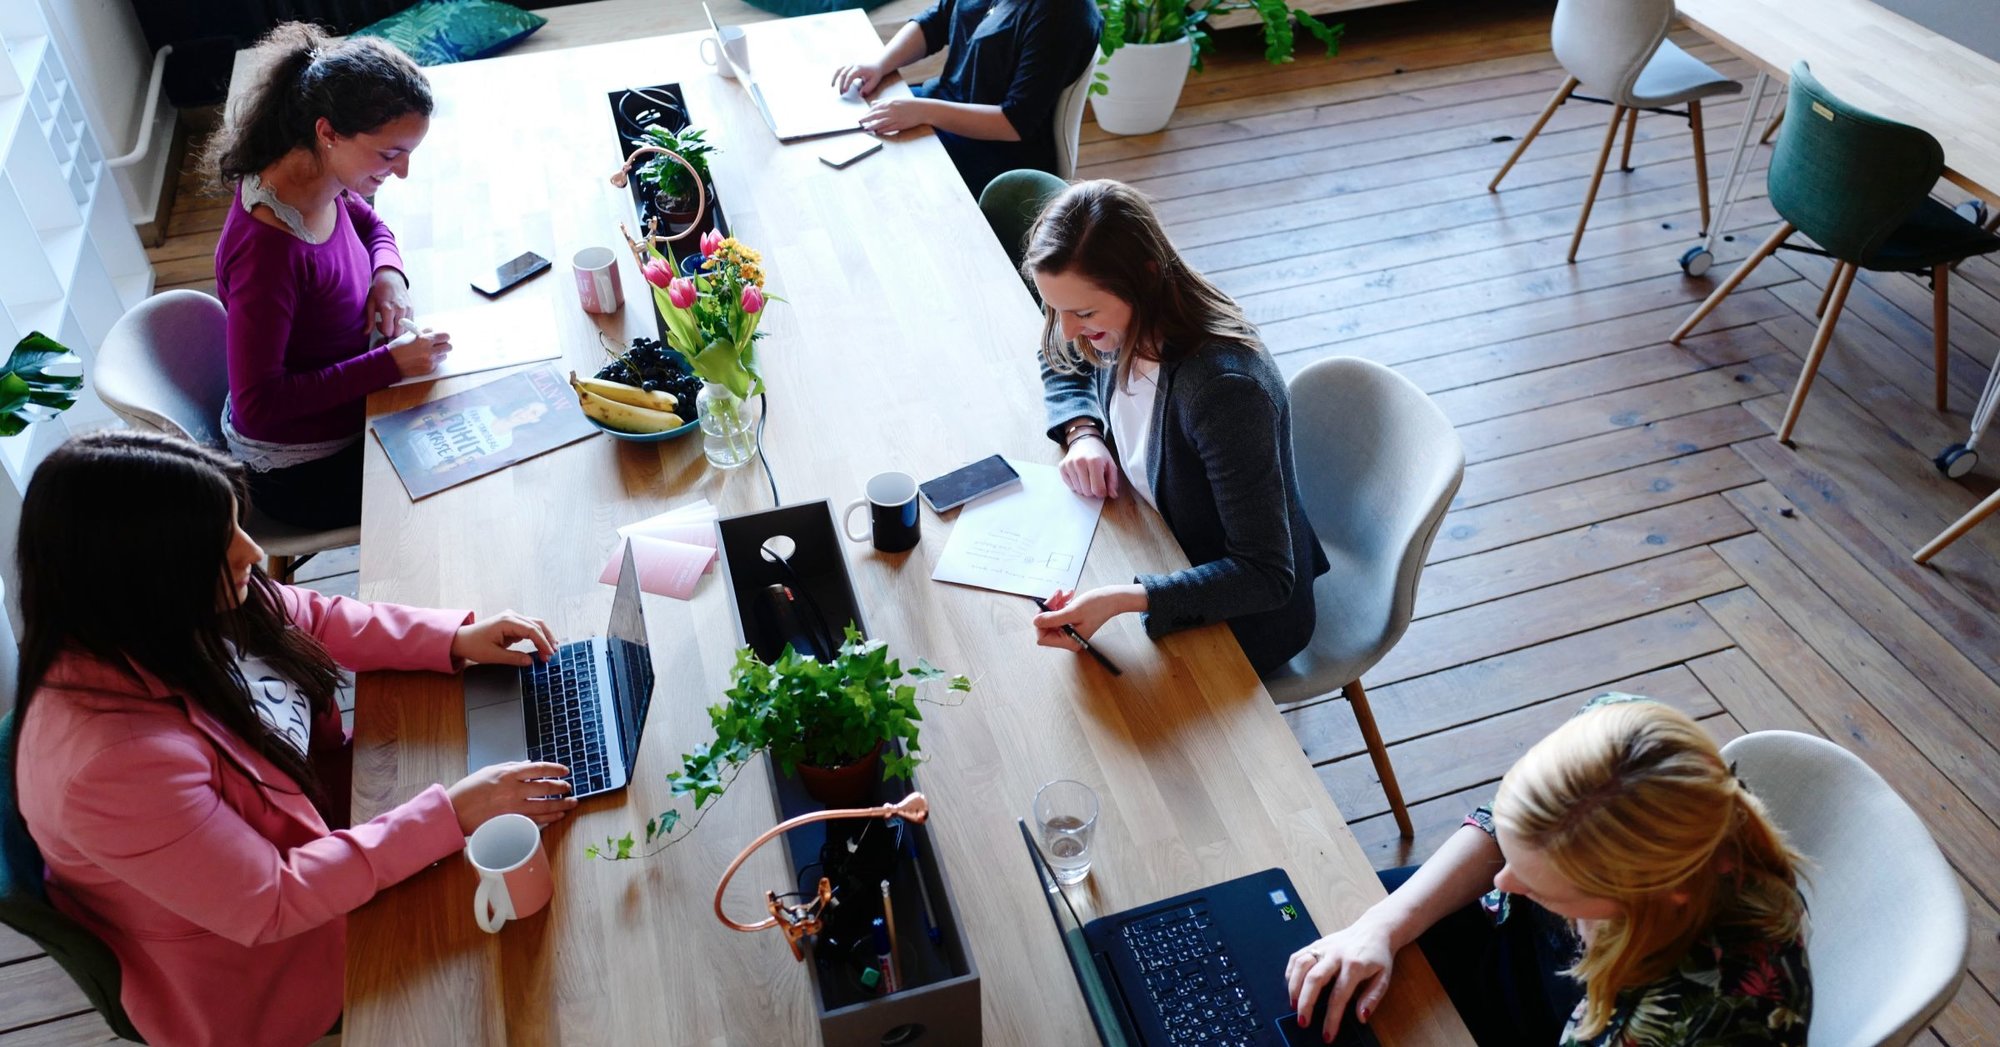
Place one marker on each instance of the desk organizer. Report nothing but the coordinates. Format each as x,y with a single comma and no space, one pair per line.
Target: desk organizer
938,1000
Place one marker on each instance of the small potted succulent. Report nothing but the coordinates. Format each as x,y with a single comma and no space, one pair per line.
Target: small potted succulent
839,726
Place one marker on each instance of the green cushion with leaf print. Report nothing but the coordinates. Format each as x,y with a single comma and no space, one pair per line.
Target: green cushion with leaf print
440,32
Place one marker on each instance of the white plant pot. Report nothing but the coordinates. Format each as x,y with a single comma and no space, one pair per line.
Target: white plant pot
1144,82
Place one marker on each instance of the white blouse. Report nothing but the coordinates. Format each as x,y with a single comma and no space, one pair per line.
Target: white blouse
1131,420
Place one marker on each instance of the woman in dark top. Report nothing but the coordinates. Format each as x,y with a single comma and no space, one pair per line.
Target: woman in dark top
994,105
1153,377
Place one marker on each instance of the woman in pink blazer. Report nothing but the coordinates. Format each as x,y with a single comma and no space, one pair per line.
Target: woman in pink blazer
181,761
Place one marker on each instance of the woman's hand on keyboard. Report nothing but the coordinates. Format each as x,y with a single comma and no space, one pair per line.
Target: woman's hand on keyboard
534,789
491,640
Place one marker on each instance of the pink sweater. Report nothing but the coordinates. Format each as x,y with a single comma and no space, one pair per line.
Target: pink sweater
225,899
300,369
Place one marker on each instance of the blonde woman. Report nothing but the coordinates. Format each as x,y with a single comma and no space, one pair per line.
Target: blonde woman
1641,896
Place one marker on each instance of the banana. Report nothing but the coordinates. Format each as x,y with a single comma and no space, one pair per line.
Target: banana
624,394
625,417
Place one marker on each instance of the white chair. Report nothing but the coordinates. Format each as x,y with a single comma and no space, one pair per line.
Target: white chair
162,368
1068,120
1378,465
1620,49
1889,930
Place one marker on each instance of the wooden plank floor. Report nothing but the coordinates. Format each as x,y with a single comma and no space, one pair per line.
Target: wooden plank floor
1627,520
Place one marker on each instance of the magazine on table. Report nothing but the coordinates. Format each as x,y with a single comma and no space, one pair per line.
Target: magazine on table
466,435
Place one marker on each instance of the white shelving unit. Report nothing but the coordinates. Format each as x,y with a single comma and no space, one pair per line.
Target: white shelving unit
70,261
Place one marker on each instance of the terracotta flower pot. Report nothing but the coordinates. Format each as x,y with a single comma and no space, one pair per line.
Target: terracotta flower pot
848,785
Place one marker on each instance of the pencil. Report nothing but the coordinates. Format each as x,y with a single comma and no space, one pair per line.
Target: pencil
889,918
1070,631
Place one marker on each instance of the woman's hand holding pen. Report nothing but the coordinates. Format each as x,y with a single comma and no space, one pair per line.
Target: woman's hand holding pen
419,351
1085,612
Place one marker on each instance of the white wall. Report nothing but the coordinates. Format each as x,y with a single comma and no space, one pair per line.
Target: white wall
106,54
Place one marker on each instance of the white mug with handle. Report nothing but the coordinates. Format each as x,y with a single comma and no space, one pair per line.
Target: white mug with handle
513,868
725,52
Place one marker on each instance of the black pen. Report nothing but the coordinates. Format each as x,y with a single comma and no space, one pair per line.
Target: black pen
1070,631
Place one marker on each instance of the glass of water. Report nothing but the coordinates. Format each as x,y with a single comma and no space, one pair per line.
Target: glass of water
1066,815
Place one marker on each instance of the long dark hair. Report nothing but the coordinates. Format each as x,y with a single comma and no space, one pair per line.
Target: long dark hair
1107,233
358,84
105,497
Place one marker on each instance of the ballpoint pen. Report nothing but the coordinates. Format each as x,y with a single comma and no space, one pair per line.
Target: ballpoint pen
923,891
1070,631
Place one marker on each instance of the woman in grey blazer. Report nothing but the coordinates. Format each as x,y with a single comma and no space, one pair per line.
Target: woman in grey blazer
1154,381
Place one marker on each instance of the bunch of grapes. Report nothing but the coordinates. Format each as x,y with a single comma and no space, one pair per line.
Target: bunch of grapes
652,366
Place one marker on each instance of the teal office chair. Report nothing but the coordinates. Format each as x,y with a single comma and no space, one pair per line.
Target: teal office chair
1012,202
24,906
1859,186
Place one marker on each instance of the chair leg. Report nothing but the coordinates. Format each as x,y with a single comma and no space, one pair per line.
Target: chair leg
1700,161
1561,96
1957,530
1771,128
1715,297
1596,178
1379,754
1941,326
1826,293
1843,279
1631,124
279,569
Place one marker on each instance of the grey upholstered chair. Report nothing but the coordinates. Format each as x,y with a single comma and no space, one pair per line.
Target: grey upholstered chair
1619,49
1378,465
162,368
1889,928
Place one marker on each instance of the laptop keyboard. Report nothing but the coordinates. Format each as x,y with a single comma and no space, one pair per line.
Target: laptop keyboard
1193,981
564,725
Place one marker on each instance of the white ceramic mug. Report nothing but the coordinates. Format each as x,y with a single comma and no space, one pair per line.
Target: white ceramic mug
712,51
514,878
597,280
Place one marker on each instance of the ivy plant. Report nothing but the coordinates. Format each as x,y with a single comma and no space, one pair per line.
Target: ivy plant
1164,21
40,381
799,710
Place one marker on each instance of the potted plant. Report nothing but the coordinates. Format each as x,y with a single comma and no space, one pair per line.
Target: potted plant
710,318
1149,45
672,184
40,380
839,725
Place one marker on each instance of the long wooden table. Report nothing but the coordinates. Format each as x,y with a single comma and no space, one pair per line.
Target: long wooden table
1873,58
904,342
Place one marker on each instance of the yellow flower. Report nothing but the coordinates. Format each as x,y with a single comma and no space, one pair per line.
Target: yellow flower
753,273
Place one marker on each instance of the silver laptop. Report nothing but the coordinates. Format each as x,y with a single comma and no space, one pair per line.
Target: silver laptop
795,96
584,707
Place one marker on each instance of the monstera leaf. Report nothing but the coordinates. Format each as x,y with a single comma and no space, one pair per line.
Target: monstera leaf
40,381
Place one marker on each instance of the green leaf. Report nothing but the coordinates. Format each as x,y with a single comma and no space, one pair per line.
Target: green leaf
624,846
40,381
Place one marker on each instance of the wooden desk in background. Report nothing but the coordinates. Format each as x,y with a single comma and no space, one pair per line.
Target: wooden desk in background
905,342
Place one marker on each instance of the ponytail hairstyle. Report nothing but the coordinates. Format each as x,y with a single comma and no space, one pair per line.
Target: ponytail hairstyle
79,527
357,84
1632,802
1107,233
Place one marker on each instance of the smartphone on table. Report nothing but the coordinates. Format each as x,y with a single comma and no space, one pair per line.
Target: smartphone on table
960,486
508,273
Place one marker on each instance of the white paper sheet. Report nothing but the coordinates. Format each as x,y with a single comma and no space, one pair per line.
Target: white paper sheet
1030,540
491,336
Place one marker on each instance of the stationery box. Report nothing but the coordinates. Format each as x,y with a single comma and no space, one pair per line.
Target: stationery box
938,1002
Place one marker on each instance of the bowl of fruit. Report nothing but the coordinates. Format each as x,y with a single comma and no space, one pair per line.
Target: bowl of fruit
647,394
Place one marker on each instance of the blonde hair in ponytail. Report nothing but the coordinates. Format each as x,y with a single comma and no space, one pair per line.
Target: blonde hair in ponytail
1632,802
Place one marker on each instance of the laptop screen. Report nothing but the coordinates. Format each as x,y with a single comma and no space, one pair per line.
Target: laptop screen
1097,996
631,661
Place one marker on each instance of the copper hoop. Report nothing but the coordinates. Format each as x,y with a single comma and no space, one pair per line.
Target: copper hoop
623,176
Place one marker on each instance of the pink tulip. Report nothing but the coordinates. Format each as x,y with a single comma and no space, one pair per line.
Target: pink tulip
658,273
753,299
681,293
710,241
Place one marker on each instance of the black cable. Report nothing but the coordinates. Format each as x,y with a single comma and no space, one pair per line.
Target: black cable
764,414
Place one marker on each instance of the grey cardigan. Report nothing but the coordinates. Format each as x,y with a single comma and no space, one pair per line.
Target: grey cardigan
1222,476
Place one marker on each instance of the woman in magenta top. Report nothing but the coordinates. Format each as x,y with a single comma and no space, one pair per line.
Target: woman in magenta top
179,757
319,309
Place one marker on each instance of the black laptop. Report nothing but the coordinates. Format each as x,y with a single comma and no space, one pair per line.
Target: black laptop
1203,968
583,707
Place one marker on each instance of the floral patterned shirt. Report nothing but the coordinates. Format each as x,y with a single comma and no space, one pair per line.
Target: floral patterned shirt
1731,988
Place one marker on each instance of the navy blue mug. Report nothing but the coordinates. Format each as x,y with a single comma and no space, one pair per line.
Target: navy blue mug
892,513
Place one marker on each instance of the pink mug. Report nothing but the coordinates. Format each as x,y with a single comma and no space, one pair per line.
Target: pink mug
513,870
597,280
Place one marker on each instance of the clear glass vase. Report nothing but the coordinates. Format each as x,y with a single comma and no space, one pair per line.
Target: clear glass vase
728,426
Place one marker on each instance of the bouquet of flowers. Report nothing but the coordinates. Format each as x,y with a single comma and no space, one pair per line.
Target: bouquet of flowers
712,303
